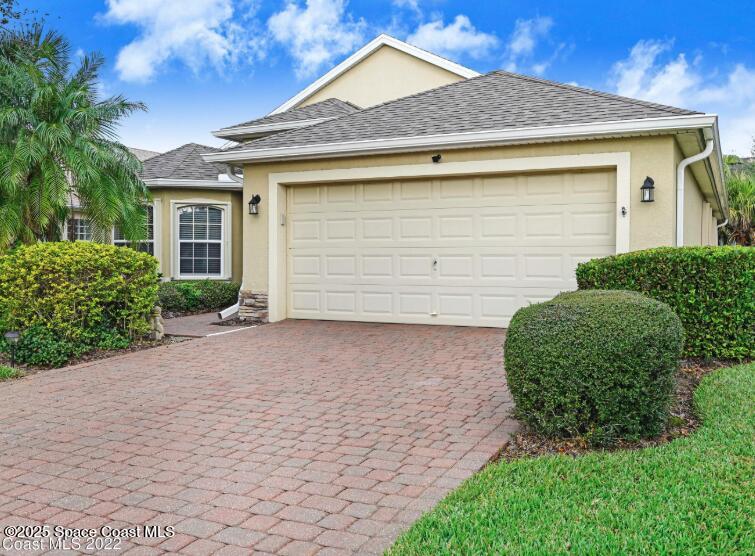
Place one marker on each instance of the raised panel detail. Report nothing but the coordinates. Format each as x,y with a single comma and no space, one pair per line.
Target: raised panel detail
341,265
456,305
413,266
340,302
498,266
340,229
461,266
377,266
416,228
377,228
415,303
455,227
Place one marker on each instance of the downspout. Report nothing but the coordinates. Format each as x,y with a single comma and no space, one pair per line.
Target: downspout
233,309
232,175
680,189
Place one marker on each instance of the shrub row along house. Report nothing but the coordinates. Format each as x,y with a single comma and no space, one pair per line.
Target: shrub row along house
402,187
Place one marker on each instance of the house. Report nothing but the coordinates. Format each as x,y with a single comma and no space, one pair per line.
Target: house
401,187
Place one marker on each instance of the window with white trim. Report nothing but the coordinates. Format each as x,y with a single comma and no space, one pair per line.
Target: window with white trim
200,241
80,229
145,245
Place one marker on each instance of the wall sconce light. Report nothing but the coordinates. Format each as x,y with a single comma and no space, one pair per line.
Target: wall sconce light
254,204
436,158
648,190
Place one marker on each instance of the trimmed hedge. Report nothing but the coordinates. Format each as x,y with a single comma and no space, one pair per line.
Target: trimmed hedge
188,296
712,289
68,298
595,364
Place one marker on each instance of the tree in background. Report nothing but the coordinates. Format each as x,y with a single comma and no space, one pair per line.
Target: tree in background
58,143
740,187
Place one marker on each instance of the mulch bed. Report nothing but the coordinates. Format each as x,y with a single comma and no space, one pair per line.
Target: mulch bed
682,423
96,355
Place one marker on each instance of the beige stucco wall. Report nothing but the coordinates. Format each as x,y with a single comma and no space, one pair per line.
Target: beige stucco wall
165,199
652,224
698,213
386,74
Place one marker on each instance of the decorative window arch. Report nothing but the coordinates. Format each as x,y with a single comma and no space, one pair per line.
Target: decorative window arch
201,231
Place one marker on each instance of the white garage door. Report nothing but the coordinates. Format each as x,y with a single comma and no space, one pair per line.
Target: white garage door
461,251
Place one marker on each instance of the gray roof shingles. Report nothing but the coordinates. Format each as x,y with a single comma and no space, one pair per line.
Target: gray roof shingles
495,101
329,108
184,162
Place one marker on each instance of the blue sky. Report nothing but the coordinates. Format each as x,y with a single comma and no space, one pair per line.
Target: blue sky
203,64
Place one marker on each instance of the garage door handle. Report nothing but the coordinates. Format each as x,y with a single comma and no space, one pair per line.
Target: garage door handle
435,263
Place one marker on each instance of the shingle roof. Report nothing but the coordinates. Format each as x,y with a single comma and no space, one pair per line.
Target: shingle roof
329,108
495,101
181,163
143,154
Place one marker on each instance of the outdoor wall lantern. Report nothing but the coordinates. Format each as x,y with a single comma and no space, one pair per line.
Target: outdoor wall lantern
12,338
254,204
648,190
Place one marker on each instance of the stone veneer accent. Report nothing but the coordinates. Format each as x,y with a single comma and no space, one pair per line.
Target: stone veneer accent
253,306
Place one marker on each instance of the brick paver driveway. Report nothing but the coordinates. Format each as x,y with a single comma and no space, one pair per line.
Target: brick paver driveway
292,438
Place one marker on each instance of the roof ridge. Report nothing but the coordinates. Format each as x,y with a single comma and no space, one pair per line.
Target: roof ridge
595,92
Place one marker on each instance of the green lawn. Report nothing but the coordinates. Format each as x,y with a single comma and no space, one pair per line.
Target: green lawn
8,372
693,496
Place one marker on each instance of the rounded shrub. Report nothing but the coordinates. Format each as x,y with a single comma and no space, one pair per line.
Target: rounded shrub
595,364
712,289
69,297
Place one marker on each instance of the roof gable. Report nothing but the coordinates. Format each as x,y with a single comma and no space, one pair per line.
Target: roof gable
368,49
181,163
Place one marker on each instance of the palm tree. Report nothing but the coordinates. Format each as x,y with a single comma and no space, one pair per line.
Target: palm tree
58,143
740,187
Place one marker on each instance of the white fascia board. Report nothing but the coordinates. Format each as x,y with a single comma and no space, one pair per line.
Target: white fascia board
193,184
362,53
470,139
265,129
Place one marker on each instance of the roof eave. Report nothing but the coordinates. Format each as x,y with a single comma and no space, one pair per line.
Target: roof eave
256,131
193,184
471,139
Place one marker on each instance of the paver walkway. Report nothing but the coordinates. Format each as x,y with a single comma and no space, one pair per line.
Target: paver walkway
300,437
196,326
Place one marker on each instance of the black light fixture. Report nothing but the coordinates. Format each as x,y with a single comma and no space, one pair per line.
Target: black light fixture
436,158
253,204
12,338
648,190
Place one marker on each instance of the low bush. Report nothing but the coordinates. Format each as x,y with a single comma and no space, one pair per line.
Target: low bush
8,373
712,289
68,298
595,364
190,296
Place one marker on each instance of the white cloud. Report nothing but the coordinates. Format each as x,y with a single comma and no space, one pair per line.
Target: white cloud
317,33
458,37
524,40
676,82
196,32
412,5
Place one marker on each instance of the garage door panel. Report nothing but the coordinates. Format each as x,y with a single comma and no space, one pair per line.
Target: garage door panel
507,266
465,251
551,225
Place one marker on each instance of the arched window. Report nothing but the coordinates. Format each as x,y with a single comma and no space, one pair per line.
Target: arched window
200,241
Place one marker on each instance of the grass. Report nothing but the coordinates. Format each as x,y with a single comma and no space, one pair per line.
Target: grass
9,372
693,496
